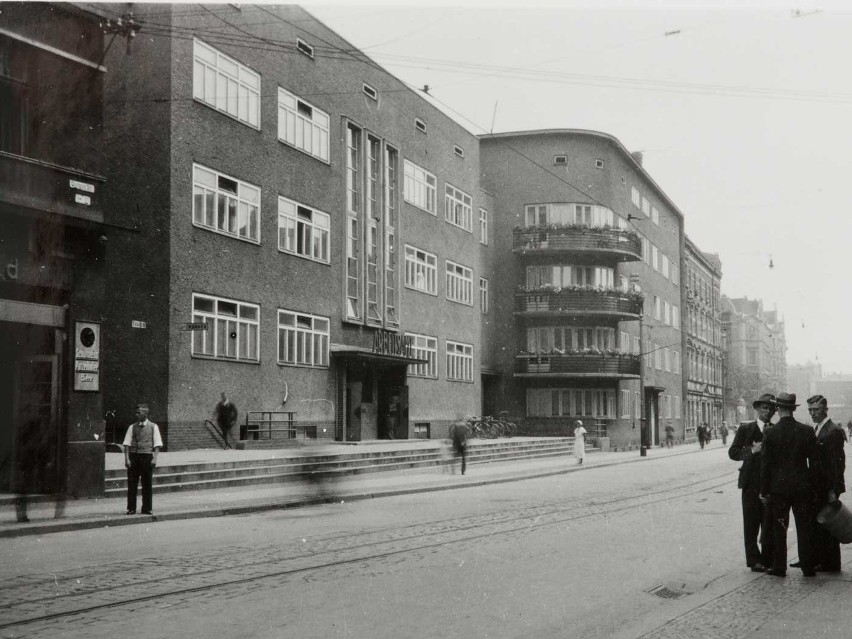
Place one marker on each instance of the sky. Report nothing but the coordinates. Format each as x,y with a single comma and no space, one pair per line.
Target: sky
743,112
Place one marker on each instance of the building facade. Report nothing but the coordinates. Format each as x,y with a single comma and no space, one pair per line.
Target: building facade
756,355
704,348
594,285
52,245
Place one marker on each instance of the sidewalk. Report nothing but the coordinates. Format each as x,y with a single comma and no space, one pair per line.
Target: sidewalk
84,514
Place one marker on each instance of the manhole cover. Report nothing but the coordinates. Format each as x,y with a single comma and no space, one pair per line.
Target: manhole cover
664,592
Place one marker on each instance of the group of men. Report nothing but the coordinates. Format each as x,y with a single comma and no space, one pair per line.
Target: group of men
789,465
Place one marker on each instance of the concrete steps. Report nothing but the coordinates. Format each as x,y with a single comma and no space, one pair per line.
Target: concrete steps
347,461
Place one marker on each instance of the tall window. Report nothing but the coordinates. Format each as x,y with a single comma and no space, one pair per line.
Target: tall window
459,283
483,294
354,298
656,307
224,204
459,362
226,85
625,403
302,125
577,402
421,270
655,258
564,213
565,275
374,313
302,339
458,208
424,347
391,205
233,328
635,197
483,226
420,187
303,231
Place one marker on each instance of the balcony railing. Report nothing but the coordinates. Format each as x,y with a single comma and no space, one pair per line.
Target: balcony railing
582,365
624,244
579,301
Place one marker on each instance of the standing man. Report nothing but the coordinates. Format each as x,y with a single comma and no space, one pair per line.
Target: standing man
830,441
746,448
458,438
724,431
226,416
789,466
141,445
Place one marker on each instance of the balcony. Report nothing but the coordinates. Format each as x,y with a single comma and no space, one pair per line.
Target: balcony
578,302
580,365
599,243
42,186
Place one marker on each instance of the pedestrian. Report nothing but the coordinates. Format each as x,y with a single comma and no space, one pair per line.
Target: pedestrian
700,433
746,448
789,472
669,435
579,442
458,438
142,443
724,431
26,470
225,415
832,457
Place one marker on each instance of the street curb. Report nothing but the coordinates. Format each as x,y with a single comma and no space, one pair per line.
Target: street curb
110,521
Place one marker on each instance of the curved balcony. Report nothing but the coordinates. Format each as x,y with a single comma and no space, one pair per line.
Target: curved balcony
582,365
596,242
578,302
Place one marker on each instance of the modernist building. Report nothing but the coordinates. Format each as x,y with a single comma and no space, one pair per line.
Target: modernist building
594,285
312,236
52,241
704,348
756,355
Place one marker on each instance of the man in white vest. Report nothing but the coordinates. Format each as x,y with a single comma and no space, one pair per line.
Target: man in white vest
141,445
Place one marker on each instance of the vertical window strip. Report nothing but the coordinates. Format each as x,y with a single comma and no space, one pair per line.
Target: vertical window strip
353,223
390,205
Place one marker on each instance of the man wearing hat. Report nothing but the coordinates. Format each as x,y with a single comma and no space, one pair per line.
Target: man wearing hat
830,440
141,445
789,469
746,448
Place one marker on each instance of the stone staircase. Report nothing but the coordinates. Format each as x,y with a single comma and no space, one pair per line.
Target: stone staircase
348,460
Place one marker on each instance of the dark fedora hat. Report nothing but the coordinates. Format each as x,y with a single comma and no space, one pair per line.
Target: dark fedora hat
787,400
766,398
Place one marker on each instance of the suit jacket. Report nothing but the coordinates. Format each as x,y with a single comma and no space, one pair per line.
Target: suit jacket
748,433
790,464
832,457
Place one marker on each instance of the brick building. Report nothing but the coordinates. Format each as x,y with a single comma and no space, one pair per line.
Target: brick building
594,283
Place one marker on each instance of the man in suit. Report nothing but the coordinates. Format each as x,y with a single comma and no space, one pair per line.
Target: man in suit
789,474
746,448
830,441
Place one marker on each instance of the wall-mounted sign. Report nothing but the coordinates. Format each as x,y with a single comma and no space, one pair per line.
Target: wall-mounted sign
82,199
387,343
81,186
194,326
138,324
87,356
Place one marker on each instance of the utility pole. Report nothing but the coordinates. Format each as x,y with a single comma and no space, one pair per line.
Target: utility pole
124,26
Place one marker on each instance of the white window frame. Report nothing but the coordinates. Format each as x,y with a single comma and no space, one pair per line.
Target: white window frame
483,294
245,202
637,405
459,283
424,347
308,133
421,270
655,215
665,265
458,207
420,187
636,197
303,341
235,87
667,313
233,337
459,362
657,307
655,258
625,403
646,206
677,409
483,226
313,231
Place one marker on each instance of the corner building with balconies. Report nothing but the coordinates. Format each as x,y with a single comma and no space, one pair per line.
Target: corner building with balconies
594,284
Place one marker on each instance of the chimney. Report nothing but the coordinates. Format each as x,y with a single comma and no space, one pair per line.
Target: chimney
637,155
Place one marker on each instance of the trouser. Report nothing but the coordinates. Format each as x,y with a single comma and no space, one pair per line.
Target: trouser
140,468
826,549
757,528
780,506
461,450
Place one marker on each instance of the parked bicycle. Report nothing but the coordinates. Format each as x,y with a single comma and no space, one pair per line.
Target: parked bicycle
487,427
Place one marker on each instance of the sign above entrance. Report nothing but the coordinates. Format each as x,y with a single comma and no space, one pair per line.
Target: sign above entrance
387,343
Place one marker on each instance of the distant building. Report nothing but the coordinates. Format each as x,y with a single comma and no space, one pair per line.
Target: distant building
808,379
704,346
756,355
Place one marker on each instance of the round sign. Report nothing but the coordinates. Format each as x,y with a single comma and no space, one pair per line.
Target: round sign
87,337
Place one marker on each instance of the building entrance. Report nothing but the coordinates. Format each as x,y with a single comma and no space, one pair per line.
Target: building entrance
376,401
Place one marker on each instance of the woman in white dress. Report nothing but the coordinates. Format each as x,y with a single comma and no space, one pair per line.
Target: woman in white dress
579,442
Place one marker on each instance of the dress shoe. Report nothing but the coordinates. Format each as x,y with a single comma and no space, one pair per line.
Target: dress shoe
759,567
130,512
776,573
796,564
147,512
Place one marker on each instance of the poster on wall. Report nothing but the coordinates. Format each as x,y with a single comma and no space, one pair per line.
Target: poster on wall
87,356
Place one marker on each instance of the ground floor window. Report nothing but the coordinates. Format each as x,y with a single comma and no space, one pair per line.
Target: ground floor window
302,339
233,328
571,402
459,362
424,347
